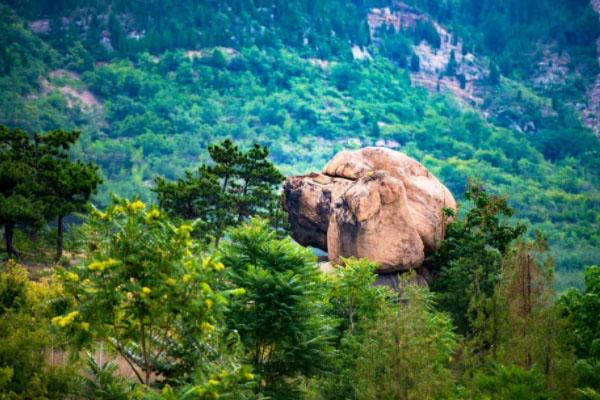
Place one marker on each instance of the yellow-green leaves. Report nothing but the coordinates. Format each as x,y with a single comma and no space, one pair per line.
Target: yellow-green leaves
135,206
144,279
102,265
71,277
65,320
153,214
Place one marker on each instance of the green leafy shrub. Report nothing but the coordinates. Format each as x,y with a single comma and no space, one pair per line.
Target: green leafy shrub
279,316
146,293
26,341
511,383
406,351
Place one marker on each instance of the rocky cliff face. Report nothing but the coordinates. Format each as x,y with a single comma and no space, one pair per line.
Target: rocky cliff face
433,62
374,203
470,85
591,113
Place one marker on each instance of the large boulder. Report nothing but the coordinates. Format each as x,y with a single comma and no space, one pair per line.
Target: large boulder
374,203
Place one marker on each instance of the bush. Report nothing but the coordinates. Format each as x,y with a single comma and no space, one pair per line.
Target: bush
279,314
26,341
146,292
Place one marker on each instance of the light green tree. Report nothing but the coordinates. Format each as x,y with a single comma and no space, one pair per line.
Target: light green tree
512,382
354,302
407,351
146,293
280,317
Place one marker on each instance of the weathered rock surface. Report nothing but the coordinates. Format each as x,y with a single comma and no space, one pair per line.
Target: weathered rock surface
309,201
374,203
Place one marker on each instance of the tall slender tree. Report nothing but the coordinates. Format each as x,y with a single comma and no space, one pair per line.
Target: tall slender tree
530,331
19,204
71,186
39,181
66,185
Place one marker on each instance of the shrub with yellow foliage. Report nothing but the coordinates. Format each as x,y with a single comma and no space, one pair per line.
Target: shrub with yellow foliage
147,293
26,339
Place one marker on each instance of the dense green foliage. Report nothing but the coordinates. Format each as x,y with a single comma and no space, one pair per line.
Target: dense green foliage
407,352
280,314
354,303
164,92
39,182
498,288
469,259
582,311
198,299
252,316
238,185
512,382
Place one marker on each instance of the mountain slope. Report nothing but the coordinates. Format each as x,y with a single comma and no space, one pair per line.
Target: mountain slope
146,111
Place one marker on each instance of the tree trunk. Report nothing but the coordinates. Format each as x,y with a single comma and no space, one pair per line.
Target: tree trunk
9,232
225,182
146,368
241,203
60,231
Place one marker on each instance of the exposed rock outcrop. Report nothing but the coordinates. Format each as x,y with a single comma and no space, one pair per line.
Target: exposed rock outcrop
309,200
402,17
591,112
374,203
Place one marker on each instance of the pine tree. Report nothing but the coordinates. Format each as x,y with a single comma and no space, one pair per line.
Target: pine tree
452,65
72,185
234,187
118,39
462,81
259,176
279,317
67,185
40,182
415,63
19,205
494,76
93,39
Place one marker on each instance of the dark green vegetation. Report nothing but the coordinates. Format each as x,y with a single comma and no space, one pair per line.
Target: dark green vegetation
235,186
279,315
252,316
40,183
154,106
226,305
582,308
483,232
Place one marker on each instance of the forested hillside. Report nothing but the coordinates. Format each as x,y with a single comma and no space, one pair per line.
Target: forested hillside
151,86
146,157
